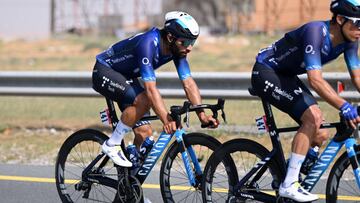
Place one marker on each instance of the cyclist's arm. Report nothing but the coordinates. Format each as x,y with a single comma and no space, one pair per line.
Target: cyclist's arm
355,78
193,94
190,87
323,88
192,91
145,53
313,41
353,63
156,100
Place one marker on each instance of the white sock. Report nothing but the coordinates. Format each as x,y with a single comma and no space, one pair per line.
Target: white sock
293,170
118,134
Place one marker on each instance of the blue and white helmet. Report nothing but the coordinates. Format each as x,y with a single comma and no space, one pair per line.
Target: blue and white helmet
181,25
349,8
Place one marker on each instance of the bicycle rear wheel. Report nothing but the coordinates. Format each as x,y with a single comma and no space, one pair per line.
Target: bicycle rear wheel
77,152
341,184
233,160
174,181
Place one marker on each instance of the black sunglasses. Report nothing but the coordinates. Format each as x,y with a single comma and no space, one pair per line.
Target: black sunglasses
187,42
354,21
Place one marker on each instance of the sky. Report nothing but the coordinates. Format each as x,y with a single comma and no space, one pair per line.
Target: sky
24,19
30,19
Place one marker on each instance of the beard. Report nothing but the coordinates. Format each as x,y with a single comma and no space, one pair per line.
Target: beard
176,52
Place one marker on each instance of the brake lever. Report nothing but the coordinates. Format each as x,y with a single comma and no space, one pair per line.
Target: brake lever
186,119
223,116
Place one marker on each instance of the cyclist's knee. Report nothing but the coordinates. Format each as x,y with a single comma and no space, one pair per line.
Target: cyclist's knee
142,100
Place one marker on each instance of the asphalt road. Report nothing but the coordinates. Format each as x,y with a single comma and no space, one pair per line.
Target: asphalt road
25,183
29,183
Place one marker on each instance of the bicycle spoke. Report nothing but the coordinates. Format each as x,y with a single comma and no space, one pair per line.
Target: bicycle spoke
181,191
76,163
181,165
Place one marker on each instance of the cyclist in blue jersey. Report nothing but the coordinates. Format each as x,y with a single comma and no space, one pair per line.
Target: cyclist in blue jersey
305,50
125,73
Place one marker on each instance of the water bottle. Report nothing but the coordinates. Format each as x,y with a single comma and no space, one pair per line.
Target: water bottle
146,147
133,156
310,160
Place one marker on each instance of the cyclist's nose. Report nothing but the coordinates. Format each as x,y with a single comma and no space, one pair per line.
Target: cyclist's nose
189,48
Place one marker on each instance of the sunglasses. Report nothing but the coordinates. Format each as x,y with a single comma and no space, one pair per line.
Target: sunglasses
187,42
354,21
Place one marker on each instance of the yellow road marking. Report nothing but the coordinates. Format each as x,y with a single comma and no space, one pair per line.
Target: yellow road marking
146,186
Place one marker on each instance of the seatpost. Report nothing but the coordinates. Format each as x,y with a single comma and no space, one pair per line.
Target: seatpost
112,112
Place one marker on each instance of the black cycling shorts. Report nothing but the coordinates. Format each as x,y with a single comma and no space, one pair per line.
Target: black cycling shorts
286,92
115,86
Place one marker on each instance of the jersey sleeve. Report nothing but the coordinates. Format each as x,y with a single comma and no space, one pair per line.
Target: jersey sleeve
145,52
182,67
313,36
351,56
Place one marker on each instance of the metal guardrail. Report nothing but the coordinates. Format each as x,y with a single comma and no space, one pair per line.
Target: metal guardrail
228,85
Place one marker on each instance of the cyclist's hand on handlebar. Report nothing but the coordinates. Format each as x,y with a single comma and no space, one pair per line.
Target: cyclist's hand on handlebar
209,121
169,126
350,114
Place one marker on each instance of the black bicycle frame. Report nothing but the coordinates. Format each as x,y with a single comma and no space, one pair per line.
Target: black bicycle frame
276,155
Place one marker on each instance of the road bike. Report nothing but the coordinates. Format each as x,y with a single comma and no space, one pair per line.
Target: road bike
84,173
242,170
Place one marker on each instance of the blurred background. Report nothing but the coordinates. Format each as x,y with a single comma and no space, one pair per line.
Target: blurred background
66,35
45,18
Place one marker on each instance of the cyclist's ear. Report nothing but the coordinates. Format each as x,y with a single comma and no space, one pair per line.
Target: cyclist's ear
340,19
170,37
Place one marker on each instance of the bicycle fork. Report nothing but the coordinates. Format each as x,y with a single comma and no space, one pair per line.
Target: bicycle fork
350,144
185,153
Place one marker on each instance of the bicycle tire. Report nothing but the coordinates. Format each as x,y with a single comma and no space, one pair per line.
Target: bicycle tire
172,165
342,171
74,156
222,171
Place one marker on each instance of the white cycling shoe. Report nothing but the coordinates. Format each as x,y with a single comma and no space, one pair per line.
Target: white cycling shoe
297,193
116,154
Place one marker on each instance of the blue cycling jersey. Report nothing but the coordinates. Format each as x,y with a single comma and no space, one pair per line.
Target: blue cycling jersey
307,48
140,55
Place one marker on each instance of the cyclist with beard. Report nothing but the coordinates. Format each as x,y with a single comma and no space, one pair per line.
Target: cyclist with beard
305,50
125,73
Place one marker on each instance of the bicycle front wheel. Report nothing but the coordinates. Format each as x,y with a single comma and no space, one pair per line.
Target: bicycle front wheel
341,185
77,152
174,182
233,160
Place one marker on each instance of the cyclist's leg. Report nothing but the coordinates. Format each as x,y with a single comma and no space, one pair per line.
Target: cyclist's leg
137,106
287,93
141,133
321,135
115,86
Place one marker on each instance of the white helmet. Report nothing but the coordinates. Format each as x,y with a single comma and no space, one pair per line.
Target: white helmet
181,25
